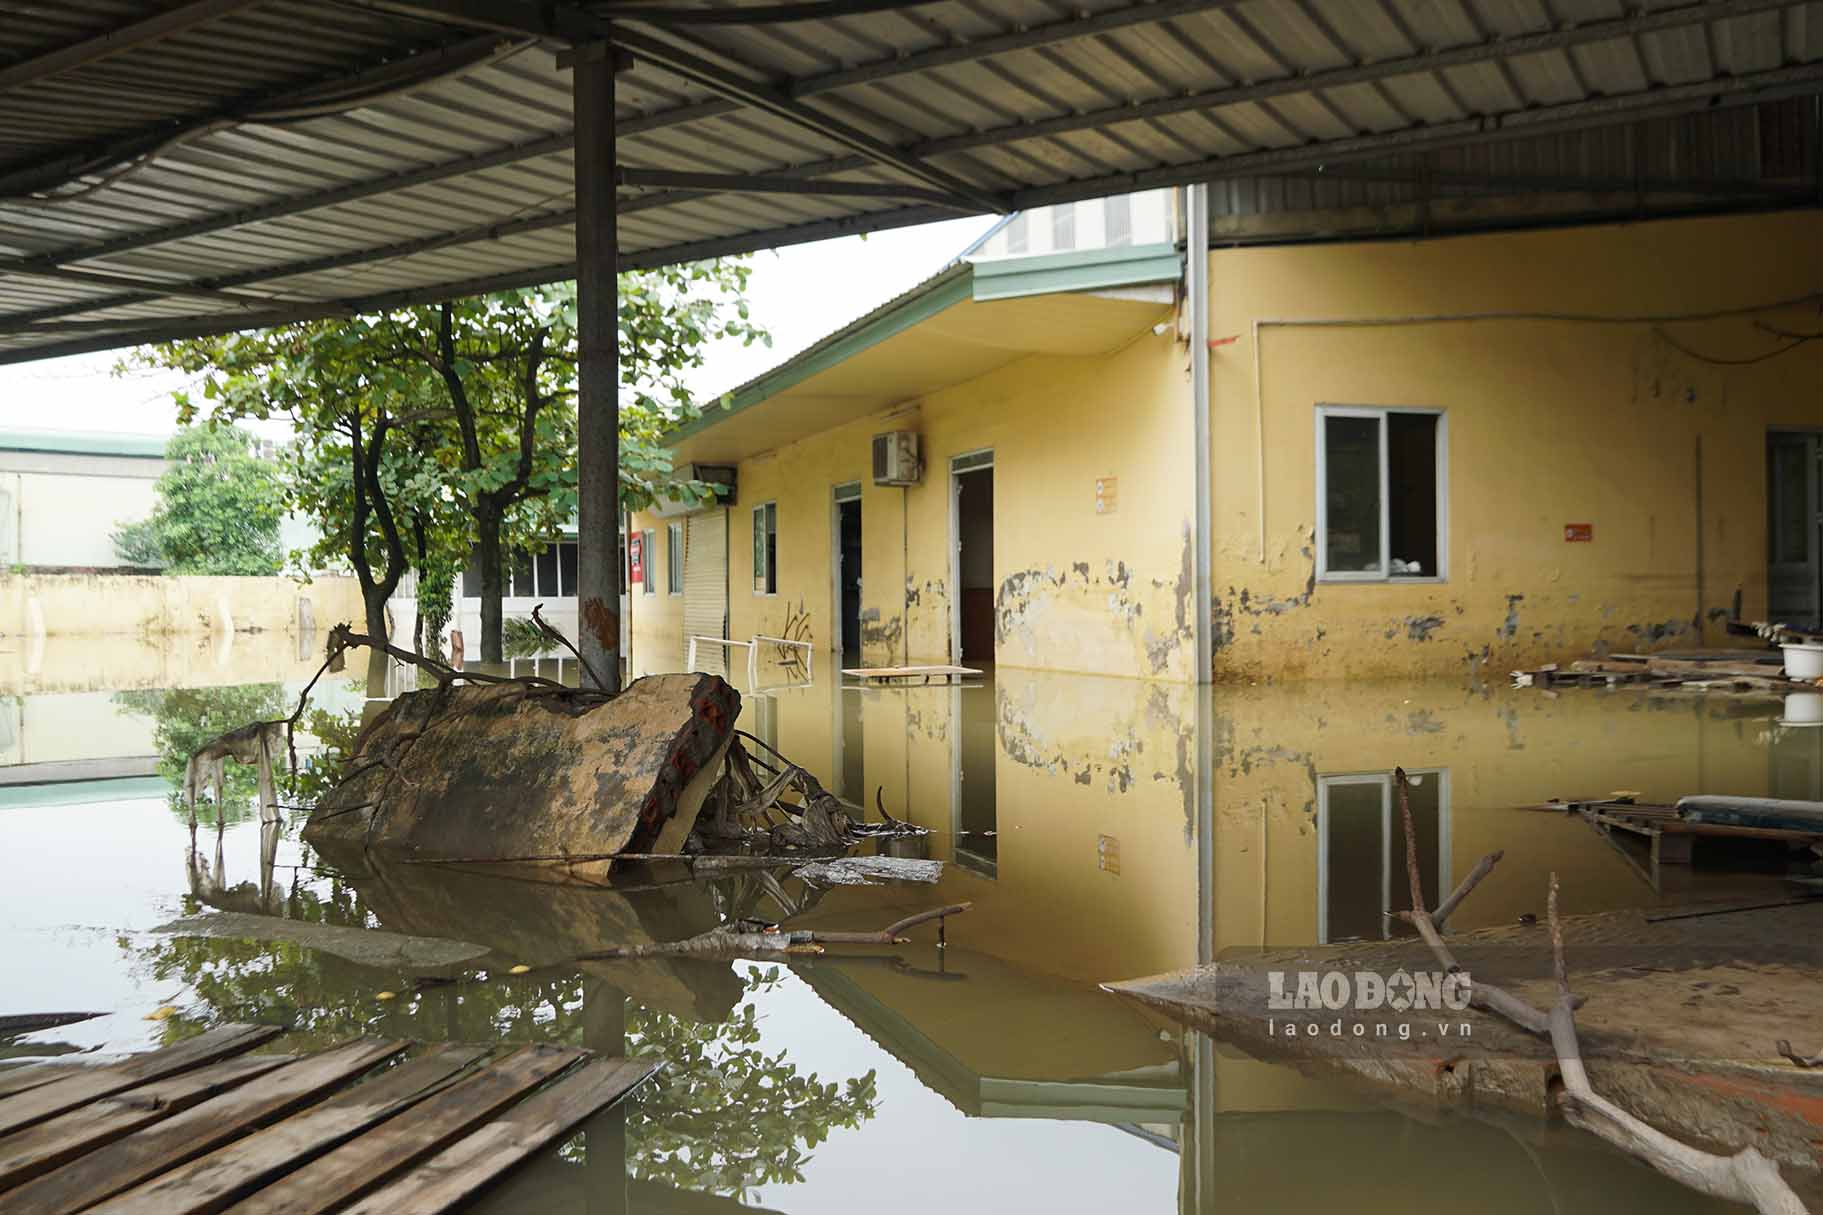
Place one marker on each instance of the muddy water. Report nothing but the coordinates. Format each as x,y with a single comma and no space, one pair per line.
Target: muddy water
1102,829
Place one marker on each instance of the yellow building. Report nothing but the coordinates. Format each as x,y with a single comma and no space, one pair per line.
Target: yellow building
1427,457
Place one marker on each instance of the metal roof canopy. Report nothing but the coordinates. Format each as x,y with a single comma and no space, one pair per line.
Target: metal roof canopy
199,165
191,166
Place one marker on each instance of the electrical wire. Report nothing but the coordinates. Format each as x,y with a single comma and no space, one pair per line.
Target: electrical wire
1797,341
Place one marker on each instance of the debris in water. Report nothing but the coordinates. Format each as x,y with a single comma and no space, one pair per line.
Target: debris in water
863,870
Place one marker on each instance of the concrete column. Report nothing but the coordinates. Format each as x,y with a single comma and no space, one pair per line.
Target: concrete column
598,387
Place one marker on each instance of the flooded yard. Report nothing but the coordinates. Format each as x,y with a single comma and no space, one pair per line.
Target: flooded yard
1102,829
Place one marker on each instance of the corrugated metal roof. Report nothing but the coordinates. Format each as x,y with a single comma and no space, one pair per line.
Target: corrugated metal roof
189,165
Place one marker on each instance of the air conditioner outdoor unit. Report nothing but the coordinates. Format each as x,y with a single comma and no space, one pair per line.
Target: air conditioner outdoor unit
896,458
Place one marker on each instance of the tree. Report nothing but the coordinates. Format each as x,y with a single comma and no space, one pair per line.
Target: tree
470,405
219,509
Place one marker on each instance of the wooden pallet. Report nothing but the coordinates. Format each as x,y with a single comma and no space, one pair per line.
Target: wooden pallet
206,1126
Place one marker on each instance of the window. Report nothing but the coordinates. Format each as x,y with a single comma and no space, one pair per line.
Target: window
566,567
1016,233
651,554
1063,226
471,579
766,549
1362,883
674,558
547,571
1381,494
1120,221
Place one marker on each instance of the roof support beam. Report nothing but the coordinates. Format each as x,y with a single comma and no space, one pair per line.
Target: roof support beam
122,38
1103,22
1668,100
759,183
60,167
683,61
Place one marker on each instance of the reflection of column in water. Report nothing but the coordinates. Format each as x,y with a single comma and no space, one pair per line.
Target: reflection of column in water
604,1031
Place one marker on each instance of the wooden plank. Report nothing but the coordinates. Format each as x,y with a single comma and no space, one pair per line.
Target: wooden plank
31,1075
210,1183
41,1148
88,1084
201,1128
431,1125
454,1174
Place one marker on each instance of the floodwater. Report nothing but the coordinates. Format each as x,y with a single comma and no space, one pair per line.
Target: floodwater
1102,829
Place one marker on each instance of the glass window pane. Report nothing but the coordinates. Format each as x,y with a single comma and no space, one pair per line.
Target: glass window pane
566,564
522,574
674,558
772,547
759,550
1120,221
650,548
1355,827
547,571
471,579
1351,458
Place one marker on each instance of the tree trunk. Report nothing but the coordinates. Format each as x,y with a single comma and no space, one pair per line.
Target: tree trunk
376,659
493,586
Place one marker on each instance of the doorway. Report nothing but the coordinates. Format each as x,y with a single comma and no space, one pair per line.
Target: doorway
847,546
972,572
1794,529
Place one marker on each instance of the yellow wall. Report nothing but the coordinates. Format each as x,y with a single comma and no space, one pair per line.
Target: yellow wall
1550,421
98,605
1552,418
1079,591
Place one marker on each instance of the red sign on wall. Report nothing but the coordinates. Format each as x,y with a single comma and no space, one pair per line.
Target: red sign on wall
1578,533
636,559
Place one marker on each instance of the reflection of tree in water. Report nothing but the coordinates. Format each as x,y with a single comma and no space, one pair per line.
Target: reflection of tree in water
186,718
722,1117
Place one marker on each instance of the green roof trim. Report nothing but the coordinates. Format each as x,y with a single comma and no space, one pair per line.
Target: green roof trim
1082,270
894,317
1000,279
84,443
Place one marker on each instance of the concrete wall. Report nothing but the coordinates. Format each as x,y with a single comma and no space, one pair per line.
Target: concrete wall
1555,417
59,509
34,606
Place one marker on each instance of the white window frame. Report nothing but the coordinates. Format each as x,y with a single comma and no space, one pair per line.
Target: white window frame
674,558
758,509
1384,573
1389,864
649,543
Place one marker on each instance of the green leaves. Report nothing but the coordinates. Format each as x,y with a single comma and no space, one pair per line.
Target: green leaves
219,509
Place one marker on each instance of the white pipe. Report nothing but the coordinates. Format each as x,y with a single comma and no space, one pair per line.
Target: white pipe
1196,284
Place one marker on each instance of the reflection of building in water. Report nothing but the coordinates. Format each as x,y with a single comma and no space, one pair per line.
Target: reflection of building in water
1092,789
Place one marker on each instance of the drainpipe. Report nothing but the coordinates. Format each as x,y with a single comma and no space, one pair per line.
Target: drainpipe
1196,286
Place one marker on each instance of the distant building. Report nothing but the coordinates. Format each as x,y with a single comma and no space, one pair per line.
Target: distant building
64,493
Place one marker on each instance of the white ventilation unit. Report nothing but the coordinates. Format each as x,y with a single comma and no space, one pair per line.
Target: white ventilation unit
896,458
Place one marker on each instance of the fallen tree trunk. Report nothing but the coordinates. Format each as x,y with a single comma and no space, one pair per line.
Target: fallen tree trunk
1745,1177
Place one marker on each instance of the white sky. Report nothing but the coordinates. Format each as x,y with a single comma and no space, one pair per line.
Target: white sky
801,294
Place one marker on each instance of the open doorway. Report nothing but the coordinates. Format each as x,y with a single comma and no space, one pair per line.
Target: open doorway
847,544
1794,528
972,638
